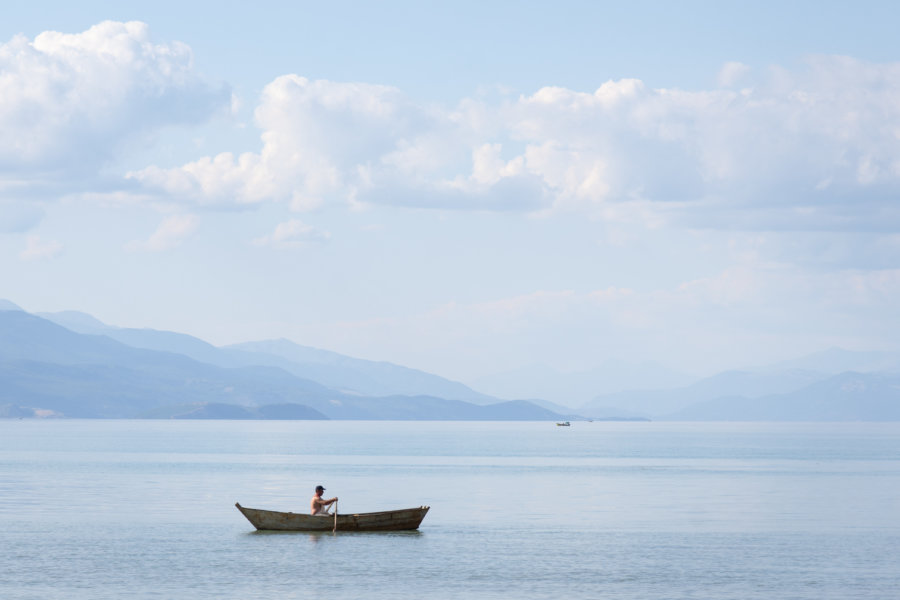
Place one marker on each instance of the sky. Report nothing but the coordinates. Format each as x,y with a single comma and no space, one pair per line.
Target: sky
466,188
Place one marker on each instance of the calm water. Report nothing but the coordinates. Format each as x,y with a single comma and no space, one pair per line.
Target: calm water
145,509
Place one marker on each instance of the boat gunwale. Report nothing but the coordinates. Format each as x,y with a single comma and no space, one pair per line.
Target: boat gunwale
258,517
348,514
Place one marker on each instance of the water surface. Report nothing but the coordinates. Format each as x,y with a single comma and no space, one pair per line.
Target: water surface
145,509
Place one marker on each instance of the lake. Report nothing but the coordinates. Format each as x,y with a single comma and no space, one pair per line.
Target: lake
145,509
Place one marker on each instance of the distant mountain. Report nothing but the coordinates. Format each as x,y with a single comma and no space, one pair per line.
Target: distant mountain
551,406
578,387
655,403
47,369
77,321
838,360
331,369
732,393
400,408
71,364
353,374
7,305
425,408
47,366
845,397
148,339
218,410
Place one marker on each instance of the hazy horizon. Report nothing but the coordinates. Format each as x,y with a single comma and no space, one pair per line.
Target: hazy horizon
616,388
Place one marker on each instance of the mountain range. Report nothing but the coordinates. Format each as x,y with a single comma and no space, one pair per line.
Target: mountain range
71,364
848,396
815,388
333,370
47,369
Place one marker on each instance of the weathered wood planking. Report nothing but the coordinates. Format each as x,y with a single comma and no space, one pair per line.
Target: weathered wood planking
389,520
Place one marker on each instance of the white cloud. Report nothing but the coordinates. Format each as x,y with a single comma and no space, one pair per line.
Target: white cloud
171,233
732,73
811,149
292,234
814,148
68,102
316,135
327,141
38,249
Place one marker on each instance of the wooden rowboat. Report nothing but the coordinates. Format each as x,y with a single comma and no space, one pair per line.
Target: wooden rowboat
389,520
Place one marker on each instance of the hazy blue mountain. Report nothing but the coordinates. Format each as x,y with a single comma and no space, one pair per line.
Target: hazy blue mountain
7,305
426,408
148,339
578,387
122,392
655,403
79,366
399,408
845,397
289,412
77,321
752,384
368,377
725,389
551,406
836,360
331,369
27,339
218,410
46,367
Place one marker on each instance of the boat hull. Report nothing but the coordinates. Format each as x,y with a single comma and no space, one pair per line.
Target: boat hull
390,520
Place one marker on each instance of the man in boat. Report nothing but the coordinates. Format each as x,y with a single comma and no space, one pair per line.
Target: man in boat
320,506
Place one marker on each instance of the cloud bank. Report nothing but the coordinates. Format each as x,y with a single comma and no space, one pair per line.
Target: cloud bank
815,149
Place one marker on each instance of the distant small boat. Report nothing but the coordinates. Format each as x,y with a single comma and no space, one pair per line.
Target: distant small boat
389,520
564,424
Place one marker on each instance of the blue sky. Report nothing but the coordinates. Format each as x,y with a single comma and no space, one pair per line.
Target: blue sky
464,188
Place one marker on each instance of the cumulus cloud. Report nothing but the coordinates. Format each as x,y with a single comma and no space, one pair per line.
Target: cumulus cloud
171,233
812,148
355,143
69,102
38,249
292,234
314,132
815,148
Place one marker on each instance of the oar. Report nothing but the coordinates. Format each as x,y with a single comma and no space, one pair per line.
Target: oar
335,517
